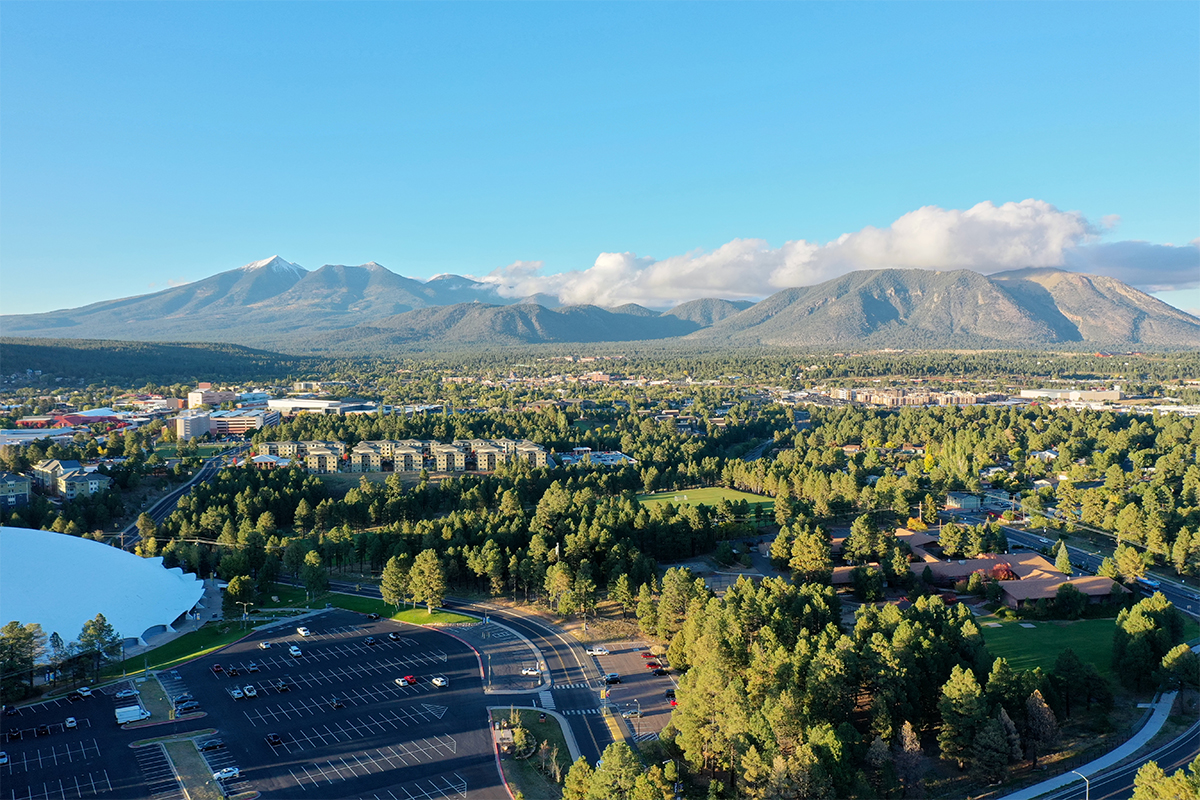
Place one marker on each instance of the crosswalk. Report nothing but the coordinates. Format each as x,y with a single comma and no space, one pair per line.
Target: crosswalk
571,686
581,711
547,699
646,737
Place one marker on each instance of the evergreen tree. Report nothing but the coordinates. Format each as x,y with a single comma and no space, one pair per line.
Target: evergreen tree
622,594
1040,725
909,760
578,780
812,560
1151,783
1011,735
393,583
647,611
990,752
1062,562
963,713
427,580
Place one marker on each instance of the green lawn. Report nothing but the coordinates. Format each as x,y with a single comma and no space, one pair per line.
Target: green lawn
293,597
210,637
1026,648
526,775
709,497
193,771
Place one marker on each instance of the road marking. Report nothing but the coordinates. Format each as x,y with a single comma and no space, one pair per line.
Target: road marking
547,699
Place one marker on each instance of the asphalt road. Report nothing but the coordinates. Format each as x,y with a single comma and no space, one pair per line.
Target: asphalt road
1117,784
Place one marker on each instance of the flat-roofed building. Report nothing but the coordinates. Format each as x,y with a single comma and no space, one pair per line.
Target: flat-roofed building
241,421
209,397
189,426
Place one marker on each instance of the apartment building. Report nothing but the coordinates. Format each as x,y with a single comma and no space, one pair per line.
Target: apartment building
46,474
14,490
449,457
79,483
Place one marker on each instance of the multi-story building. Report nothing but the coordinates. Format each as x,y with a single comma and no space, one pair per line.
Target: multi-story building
321,460
189,426
78,483
241,421
449,458
14,490
535,454
210,397
46,474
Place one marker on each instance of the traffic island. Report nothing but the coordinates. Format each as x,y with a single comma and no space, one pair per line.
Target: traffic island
193,771
534,754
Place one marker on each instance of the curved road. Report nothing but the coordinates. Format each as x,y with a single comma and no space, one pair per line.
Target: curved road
1117,784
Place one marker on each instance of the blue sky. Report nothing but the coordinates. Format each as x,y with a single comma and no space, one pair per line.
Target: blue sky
574,147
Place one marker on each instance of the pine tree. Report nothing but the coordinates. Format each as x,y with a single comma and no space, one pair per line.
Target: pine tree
811,561
622,594
578,780
1041,726
990,752
1063,562
1010,733
393,583
963,713
647,611
909,760
427,580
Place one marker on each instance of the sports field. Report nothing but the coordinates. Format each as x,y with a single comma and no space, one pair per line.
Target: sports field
709,497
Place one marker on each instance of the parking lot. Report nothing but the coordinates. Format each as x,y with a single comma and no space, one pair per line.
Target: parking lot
334,721
639,690
47,760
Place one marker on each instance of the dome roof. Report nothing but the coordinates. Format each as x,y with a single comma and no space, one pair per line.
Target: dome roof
61,581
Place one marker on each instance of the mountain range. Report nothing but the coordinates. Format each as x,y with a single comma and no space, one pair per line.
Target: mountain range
279,305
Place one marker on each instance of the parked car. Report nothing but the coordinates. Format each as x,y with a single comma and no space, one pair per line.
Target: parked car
652,665
70,722
217,668
647,655
232,672
303,631
407,680
440,682
336,703
669,694
372,616
126,693
227,773
250,691
252,667
659,672
395,636
294,651
3,758
183,698
597,651
84,691
531,671
274,739
236,693
14,734
42,730
187,708
264,645
612,678
282,686
369,640
72,696
210,744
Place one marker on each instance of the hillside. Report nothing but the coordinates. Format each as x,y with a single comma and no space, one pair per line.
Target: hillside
277,305
923,308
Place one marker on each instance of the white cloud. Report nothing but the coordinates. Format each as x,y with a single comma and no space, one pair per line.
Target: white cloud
986,238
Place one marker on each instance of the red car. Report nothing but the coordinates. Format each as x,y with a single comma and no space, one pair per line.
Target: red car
647,655
217,668
652,665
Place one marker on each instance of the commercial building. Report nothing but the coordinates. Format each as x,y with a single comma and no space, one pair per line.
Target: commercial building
190,425
241,421
1075,395
290,406
209,397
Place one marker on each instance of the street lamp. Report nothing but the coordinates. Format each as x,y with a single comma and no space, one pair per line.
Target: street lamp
1087,785
244,604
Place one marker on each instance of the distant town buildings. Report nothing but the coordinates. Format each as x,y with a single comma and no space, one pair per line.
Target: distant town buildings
1075,395
233,422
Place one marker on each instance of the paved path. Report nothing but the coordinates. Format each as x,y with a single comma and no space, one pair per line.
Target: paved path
1139,740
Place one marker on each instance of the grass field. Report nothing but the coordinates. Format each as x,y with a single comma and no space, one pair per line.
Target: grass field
526,775
709,497
339,483
210,637
293,597
1026,648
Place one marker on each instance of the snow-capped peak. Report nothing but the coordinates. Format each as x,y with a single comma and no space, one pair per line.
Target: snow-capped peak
276,264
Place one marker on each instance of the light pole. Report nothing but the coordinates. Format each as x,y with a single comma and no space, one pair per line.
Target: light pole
244,604
1087,785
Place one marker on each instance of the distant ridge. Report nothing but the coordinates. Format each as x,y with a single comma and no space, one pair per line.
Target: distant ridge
277,305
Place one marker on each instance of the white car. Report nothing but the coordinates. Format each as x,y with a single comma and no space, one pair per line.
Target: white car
70,723
597,651
531,671
3,758
236,693
440,682
126,693
294,651
303,631
85,691
225,774
250,691
264,645
402,681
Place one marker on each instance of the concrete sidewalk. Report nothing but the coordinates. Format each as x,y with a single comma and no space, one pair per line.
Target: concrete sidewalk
1162,710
